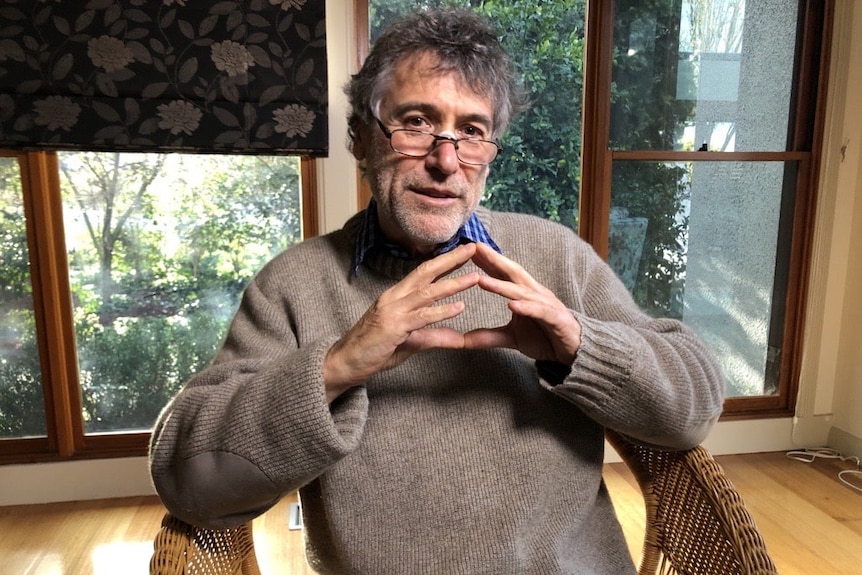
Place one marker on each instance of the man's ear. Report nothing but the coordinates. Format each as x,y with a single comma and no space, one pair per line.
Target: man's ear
359,142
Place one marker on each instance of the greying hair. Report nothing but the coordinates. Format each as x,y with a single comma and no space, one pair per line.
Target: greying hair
462,41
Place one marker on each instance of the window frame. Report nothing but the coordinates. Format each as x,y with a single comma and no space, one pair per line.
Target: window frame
806,140
597,158
66,438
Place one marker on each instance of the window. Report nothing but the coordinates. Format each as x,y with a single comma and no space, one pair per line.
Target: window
120,274
694,166
710,144
21,411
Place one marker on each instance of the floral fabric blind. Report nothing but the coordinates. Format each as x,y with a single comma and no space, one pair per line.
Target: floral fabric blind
230,76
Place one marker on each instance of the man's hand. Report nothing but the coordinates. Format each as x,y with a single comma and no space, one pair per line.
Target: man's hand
541,326
396,326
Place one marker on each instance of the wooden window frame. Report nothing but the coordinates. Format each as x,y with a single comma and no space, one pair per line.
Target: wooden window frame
816,17
65,438
815,27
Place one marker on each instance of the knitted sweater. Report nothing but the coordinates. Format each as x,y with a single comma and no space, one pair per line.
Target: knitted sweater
455,462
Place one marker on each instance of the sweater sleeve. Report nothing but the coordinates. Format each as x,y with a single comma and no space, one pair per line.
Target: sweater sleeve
651,379
253,426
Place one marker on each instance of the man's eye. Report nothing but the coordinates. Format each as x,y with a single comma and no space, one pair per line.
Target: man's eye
416,124
472,132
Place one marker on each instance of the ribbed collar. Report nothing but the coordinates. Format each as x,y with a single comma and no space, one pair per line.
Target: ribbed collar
369,236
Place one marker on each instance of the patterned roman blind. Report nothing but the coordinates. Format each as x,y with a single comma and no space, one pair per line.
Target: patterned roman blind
229,76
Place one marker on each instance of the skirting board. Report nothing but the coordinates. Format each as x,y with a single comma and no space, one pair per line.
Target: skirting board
845,443
74,480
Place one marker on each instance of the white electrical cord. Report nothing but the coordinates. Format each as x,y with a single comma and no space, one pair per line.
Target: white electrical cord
810,454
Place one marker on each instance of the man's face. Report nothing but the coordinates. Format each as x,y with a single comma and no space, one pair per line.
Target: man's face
423,201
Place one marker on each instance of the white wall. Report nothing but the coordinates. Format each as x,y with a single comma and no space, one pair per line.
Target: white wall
831,386
830,397
846,433
337,176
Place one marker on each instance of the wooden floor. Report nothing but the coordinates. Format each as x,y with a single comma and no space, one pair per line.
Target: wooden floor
811,522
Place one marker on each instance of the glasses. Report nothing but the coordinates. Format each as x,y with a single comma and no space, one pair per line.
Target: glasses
418,144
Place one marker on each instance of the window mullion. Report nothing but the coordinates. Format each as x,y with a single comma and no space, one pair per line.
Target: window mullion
595,191
52,301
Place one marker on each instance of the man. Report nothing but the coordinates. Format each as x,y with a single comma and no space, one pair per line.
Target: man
434,378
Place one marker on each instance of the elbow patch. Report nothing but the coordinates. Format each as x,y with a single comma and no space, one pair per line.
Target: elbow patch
217,490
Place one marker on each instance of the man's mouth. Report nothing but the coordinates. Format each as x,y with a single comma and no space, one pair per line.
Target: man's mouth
435,193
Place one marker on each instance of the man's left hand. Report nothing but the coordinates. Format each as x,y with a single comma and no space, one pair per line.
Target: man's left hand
541,326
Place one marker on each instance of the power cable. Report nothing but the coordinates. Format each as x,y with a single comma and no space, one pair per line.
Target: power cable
809,455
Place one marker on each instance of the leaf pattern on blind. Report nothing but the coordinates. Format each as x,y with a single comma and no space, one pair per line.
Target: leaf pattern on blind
232,76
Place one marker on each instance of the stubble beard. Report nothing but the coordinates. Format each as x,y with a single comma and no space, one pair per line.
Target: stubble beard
422,225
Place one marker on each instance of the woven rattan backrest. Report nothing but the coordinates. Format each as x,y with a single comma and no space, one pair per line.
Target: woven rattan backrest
182,549
696,522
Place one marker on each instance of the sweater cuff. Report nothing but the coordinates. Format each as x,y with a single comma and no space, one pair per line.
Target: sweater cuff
604,362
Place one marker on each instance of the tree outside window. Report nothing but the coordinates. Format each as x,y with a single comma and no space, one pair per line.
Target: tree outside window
160,248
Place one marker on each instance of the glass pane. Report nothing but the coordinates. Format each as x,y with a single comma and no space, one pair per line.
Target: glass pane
538,171
21,401
160,249
703,75
698,241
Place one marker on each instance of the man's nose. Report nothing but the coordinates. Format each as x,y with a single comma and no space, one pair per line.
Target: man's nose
444,156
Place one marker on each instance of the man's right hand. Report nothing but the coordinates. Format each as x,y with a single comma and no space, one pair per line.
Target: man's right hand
397,325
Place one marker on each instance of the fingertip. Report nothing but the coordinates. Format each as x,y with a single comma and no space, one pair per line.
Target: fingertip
481,248
464,252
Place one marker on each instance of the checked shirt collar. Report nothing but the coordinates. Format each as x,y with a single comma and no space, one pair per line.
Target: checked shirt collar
369,236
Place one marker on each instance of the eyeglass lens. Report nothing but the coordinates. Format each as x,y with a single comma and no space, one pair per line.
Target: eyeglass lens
420,144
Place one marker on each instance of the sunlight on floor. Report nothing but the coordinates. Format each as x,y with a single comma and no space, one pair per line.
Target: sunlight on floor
124,557
49,564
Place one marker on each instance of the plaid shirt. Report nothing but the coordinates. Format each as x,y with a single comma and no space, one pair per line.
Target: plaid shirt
370,236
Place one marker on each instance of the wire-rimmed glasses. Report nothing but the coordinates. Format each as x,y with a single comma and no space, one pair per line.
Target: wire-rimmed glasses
418,144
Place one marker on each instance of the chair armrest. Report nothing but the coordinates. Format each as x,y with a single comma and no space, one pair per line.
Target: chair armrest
181,549
696,521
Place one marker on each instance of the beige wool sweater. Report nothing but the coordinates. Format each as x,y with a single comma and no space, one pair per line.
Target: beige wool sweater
455,462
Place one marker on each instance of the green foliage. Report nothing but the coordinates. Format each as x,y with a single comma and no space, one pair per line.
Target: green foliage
656,192
113,196
21,407
170,310
253,203
21,411
645,114
176,241
14,257
539,170
130,369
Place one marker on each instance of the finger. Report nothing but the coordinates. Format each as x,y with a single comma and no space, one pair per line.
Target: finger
561,329
430,272
507,289
550,316
439,266
499,266
433,314
434,338
487,338
426,298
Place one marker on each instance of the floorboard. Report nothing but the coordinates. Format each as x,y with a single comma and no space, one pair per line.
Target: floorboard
811,522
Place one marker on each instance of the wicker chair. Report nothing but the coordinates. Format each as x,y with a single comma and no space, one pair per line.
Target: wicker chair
696,524
182,549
